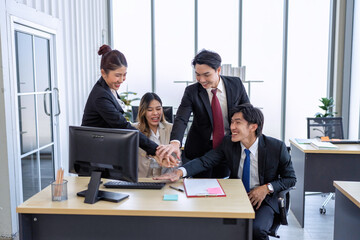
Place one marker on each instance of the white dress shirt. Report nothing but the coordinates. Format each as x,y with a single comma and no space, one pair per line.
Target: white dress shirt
254,168
122,104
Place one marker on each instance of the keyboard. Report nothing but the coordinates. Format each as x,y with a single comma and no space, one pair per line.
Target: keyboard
134,185
345,142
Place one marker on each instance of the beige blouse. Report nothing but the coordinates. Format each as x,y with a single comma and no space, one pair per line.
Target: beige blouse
148,167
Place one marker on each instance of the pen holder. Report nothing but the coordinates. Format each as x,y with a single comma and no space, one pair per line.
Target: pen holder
59,191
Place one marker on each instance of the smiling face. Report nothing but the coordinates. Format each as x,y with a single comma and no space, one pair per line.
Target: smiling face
153,114
114,78
242,131
207,76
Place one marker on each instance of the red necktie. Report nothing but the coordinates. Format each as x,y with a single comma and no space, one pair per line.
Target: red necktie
218,123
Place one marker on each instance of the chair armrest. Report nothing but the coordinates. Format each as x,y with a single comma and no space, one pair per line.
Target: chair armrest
283,202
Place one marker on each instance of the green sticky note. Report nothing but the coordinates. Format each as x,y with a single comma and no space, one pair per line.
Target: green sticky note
170,197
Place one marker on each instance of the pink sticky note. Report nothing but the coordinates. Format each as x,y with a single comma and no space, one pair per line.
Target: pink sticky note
216,190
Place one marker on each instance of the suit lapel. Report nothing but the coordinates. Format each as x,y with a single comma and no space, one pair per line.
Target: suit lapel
228,95
106,87
205,99
261,159
236,157
162,132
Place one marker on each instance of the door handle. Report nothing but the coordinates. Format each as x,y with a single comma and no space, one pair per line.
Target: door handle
45,106
57,100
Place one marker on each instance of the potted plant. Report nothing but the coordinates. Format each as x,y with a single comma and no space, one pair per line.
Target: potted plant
325,124
327,106
124,96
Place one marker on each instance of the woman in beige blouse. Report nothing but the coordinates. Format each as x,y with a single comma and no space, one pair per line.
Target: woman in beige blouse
152,123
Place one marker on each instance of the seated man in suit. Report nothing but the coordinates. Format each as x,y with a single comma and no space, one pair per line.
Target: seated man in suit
263,163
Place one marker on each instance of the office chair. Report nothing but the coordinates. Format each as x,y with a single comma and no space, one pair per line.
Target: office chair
168,113
320,127
281,219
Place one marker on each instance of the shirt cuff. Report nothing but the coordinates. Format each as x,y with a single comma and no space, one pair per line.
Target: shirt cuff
176,141
183,171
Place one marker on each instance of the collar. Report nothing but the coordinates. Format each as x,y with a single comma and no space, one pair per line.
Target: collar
253,147
161,125
113,92
220,87
157,135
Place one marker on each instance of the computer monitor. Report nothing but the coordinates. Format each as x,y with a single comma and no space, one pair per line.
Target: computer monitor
103,152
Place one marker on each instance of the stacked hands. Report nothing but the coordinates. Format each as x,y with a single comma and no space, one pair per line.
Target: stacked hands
168,155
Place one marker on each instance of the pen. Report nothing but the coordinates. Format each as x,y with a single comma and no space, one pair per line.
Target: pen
177,189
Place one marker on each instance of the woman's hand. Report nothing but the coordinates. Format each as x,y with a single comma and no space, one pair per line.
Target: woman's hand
165,151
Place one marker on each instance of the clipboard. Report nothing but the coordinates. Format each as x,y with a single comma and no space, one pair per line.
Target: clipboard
203,188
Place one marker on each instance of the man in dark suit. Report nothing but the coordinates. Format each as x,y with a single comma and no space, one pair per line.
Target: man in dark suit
198,99
269,164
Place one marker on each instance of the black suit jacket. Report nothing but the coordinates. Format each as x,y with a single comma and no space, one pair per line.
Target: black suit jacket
103,110
274,164
196,100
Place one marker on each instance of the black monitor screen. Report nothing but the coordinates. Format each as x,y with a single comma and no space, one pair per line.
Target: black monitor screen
113,152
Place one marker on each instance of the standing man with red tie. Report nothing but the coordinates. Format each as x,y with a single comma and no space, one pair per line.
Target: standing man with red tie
210,100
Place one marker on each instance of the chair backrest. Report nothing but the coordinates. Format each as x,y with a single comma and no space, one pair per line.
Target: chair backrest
168,113
320,127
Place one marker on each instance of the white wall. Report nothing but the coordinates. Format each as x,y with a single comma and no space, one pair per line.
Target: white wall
80,27
355,77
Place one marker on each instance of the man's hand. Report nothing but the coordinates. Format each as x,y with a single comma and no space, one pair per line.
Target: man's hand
257,195
165,151
173,176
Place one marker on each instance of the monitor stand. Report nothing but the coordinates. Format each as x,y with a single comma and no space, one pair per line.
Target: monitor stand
93,194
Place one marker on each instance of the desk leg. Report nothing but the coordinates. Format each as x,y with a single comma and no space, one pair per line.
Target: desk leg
346,218
298,195
25,227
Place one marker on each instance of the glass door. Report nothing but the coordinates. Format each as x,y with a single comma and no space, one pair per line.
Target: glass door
36,117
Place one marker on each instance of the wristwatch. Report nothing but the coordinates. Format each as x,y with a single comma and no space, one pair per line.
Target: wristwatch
270,187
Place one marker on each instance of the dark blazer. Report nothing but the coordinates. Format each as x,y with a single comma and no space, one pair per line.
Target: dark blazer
196,100
103,110
274,164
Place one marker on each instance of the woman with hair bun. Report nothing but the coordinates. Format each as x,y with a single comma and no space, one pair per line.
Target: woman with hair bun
104,108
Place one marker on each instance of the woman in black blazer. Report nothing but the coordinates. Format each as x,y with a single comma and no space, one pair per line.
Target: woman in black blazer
104,107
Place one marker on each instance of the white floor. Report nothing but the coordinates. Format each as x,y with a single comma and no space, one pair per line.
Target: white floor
317,226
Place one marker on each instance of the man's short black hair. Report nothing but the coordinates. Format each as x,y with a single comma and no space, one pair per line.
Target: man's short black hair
212,59
251,114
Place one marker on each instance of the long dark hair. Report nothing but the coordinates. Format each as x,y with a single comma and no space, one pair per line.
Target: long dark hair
141,117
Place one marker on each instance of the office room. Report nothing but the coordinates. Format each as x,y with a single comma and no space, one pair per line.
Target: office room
295,59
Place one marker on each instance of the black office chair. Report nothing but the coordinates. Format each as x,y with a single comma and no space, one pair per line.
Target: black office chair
284,206
168,113
321,127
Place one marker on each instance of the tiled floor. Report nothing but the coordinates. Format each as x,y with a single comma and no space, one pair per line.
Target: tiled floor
317,226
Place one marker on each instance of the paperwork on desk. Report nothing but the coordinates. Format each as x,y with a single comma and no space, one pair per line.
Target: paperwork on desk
203,188
323,145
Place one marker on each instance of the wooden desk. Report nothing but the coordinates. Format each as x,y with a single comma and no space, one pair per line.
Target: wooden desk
144,215
347,210
317,169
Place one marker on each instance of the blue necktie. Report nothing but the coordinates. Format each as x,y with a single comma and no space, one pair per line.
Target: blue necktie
246,171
